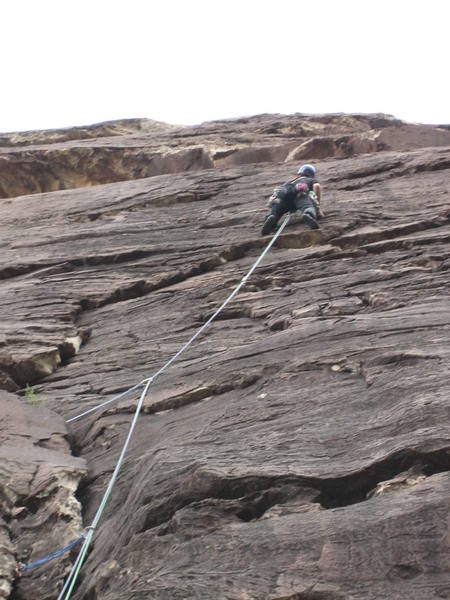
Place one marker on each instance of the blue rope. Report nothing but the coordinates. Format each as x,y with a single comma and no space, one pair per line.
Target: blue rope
43,561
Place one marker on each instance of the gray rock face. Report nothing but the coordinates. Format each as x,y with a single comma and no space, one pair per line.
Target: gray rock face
300,448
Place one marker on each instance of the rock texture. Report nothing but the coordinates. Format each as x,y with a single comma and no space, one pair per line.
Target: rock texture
300,449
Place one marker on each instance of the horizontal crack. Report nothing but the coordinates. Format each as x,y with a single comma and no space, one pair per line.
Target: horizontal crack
311,594
196,394
129,204
368,175
249,498
355,240
160,281
406,243
82,261
355,488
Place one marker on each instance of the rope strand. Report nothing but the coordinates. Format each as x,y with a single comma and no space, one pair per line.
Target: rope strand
71,580
94,408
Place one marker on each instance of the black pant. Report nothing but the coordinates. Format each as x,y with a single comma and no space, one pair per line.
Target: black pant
303,203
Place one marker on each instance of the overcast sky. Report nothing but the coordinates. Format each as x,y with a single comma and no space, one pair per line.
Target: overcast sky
76,62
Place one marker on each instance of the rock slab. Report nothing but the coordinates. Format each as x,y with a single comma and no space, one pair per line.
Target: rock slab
300,448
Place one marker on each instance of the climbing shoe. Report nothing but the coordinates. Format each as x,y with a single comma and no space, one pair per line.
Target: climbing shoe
310,220
269,225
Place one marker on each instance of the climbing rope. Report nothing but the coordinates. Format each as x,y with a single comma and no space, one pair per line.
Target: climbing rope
189,342
114,399
71,579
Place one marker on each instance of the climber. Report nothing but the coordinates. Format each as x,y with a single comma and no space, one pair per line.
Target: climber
302,193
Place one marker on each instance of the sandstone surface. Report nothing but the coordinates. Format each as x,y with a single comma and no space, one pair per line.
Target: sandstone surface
32,162
300,448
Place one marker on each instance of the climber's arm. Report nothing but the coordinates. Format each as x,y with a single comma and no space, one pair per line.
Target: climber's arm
317,189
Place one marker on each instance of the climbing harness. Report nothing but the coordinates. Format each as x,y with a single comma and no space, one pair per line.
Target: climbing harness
23,568
71,579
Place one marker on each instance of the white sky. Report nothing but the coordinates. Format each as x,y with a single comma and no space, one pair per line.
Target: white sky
76,62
